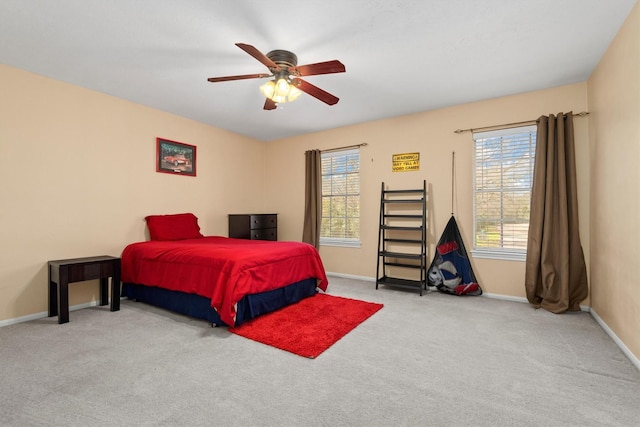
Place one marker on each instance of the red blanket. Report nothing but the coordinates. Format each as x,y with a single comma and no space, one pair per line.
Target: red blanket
221,268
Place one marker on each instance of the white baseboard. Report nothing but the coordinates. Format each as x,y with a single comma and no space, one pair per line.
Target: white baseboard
524,300
43,314
351,276
505,297
614,337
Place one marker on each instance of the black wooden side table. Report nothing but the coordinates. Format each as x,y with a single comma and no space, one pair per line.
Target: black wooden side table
65,271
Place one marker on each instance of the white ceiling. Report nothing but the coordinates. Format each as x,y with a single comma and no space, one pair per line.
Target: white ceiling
401,56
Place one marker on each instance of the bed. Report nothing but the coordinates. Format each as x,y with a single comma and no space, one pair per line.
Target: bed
223,280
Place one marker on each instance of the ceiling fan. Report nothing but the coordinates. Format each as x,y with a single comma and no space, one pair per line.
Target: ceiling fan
286,85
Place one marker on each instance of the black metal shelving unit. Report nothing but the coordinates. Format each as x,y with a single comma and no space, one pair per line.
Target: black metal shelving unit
402,239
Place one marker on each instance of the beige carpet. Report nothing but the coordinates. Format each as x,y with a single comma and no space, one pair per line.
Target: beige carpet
434,360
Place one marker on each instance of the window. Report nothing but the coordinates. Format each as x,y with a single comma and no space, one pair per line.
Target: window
340,198
503,178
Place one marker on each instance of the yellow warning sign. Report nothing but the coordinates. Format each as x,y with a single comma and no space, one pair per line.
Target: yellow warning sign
406,162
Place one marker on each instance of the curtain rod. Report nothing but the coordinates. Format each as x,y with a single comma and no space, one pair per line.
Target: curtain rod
364,144
510,125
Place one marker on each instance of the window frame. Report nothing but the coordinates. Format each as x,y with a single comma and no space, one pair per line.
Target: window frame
341,241
501,253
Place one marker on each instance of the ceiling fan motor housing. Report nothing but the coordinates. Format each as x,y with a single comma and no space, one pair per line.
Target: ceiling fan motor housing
283,58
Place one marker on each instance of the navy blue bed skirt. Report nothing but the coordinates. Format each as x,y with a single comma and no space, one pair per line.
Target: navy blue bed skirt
200,307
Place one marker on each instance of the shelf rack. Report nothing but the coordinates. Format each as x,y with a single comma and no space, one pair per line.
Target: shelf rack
402,238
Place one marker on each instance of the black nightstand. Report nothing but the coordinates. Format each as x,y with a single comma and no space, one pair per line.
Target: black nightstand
65,271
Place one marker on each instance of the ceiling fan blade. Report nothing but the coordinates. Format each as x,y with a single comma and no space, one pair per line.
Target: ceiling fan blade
269,104
240,77
258,55
315,91
327,67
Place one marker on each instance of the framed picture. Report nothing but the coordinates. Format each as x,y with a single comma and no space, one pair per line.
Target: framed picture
175,157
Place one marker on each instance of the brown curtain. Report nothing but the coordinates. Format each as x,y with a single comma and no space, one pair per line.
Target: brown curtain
312,198
556,274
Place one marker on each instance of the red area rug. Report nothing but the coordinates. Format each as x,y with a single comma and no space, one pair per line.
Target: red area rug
309,327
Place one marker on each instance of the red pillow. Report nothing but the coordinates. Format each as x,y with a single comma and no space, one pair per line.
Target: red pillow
173,227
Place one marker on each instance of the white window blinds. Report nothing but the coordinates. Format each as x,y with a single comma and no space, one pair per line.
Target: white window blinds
340,197
504,161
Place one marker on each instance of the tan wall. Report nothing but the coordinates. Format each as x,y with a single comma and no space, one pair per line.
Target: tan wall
614,99
431,134
78,176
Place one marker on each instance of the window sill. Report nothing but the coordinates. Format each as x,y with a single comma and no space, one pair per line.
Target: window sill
501,254
340,243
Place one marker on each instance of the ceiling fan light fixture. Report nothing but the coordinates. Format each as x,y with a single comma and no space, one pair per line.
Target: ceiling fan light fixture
294,93
280,91
278,99
268,89
282,87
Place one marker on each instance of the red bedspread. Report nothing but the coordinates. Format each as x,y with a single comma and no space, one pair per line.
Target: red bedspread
221,268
